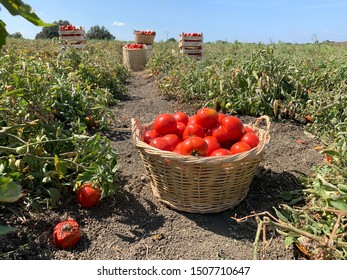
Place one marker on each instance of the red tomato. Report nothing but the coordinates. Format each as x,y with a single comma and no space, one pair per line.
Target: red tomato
66,234
221,152
181,117
221,134
239,147
195,146
235,126
207,117
212,144
248,129
180,129
192,120
87,195
165,124
149,135
161,144
177,150
173,140
227,144
221,116
251,139
193,130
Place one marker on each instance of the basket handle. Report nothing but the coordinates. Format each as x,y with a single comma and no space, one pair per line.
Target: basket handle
267,121
135,130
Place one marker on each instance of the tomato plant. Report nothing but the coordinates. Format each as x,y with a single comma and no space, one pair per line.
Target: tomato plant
66,234
195,146
88,195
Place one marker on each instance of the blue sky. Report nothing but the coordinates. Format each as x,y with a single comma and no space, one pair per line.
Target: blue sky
243,20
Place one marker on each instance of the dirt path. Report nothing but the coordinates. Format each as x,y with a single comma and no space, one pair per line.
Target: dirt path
135,225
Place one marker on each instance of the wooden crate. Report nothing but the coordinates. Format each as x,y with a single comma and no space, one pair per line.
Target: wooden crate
73,38
191,44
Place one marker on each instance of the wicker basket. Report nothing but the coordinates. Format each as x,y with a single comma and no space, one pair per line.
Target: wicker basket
200,184
135,59
147,39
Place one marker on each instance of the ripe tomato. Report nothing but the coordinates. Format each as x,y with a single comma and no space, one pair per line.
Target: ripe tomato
173,139
87,195
193,130
181,117
212,144
221,134
235,127
161,144
177,150
221,152
149,135
66,234
180,129
165,124
192,120
195,146
239,147
221,116
207,117
251,139
248,129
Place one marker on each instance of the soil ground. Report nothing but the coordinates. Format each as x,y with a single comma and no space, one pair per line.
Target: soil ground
134,225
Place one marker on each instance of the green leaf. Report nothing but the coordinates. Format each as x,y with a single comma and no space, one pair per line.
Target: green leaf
54,196
3,33
5,230
289,240
60,167
9,191
339,204
17,7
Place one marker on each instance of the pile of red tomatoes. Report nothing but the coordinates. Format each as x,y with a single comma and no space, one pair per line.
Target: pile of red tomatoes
207,133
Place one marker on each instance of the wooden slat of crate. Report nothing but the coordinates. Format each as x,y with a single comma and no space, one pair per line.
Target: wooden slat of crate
189,51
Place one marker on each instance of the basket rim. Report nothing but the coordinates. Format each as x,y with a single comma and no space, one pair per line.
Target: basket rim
137,129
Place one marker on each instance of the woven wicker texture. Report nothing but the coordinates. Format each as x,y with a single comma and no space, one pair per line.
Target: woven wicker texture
147,39
200,184
134,59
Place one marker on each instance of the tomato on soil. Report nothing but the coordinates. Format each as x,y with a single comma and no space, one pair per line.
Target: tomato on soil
87,195
165,124
66,234
195,146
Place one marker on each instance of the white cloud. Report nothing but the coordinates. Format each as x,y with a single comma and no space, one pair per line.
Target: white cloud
118,23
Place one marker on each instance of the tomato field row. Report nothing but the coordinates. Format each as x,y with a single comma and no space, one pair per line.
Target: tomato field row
55,107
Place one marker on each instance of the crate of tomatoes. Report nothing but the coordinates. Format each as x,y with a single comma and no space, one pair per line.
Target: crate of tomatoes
134,56
203,163
144,36
72,36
